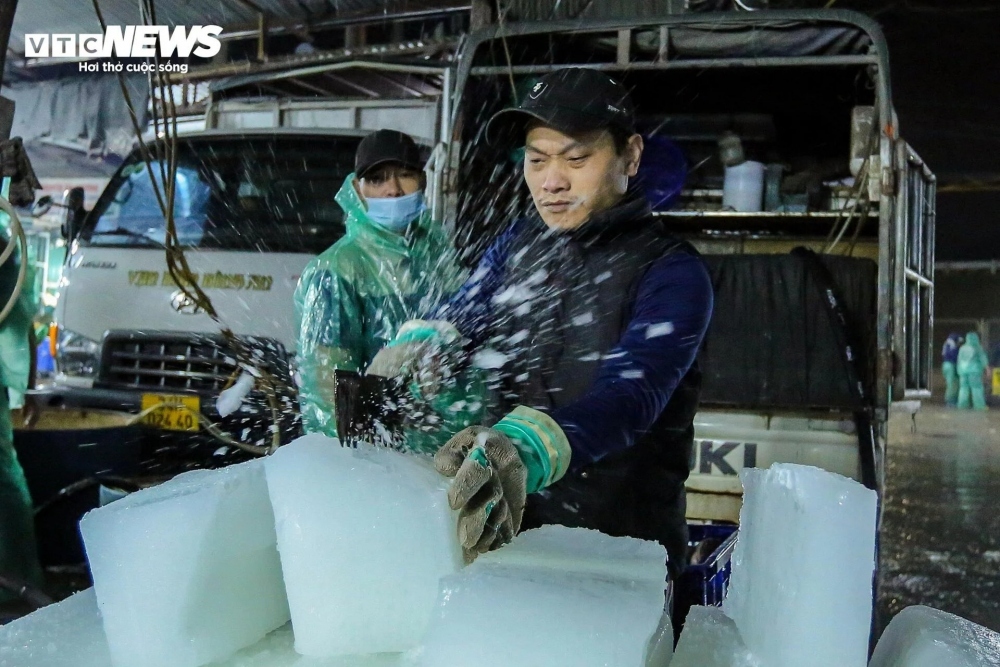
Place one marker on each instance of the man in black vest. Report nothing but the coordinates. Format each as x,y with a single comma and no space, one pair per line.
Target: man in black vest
589,316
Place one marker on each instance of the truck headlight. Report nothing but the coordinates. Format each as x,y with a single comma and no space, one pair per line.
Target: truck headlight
77,355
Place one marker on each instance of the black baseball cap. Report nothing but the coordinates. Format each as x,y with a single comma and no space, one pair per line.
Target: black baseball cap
384,146
574,99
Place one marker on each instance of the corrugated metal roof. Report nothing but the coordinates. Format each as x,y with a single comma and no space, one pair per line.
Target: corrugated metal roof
570,10
350,79
77,16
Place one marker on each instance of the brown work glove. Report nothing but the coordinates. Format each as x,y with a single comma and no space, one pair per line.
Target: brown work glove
402,359
489,488
424,355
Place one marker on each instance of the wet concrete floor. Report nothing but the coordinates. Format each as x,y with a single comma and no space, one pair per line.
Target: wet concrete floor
940,542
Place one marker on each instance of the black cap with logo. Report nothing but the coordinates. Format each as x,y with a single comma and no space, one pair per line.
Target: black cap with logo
574,99
384,146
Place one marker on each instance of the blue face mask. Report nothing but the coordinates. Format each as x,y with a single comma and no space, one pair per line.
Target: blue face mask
395,213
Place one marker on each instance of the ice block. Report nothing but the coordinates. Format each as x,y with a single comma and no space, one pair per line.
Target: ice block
801,587
365,535
920,636
554,596
187,572
711,639
65,634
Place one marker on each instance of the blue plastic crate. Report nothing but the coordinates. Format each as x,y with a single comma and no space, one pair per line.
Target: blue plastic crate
707,582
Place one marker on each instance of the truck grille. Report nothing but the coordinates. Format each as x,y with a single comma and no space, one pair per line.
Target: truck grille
176,362
157,362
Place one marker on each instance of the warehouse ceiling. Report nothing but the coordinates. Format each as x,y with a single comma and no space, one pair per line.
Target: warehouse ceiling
78,16
944,56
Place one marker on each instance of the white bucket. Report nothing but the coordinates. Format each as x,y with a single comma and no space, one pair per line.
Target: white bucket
743,188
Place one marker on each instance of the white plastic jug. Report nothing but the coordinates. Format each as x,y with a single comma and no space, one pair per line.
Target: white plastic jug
743,187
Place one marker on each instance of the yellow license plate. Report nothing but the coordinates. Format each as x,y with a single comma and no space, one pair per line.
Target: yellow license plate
172,412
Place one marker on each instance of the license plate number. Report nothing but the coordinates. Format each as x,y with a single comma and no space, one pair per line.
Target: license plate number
172,413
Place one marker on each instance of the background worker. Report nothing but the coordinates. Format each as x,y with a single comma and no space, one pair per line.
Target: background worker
972,364
393,263
949,357
594,315
18,550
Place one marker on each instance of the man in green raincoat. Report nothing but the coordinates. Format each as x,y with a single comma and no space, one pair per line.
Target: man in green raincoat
18,551
393,264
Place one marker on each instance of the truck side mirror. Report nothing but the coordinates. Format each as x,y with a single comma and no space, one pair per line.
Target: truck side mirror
73,215
42,206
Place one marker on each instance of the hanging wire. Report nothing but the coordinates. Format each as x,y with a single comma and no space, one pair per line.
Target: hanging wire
854,202
858,199
17,238
502,26
857,229
164,120
206,423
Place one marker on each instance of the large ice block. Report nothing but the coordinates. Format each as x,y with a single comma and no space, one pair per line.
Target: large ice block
187,572
277,650
711,639
525,609
274,650
65,634
920,636
587,552
371,660
365,535
801,587
660,649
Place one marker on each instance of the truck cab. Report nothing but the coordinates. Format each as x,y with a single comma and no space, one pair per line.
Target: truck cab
251,209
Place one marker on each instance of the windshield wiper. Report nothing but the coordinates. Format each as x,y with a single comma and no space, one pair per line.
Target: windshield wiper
121,231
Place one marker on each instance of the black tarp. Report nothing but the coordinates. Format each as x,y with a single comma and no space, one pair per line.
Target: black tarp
772,341
770,41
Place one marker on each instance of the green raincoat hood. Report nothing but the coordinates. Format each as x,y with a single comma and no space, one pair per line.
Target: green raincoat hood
972,358
359,225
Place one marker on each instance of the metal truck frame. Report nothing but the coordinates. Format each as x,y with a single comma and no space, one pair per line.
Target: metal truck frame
902,184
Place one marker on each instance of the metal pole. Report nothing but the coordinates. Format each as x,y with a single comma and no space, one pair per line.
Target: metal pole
699,63
6,118
416,15
441,165
261,37
6,106
7,9
446,108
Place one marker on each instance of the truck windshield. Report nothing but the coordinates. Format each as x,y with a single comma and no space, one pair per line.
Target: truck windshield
241,193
